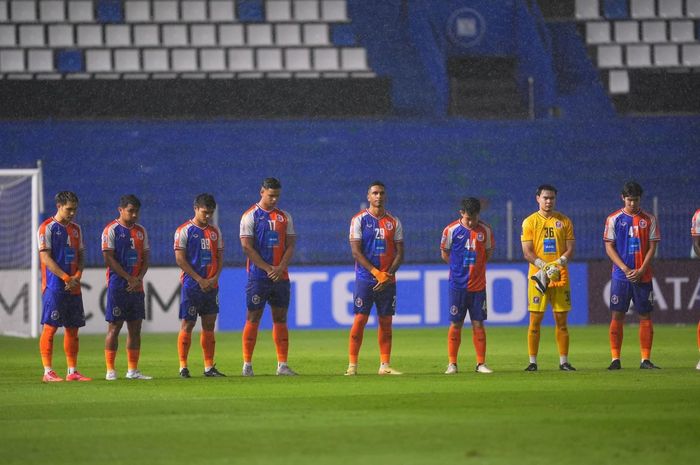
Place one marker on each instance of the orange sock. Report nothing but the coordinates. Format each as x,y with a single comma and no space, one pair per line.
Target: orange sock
479,339
46,344
385,335
208,343
616,333
562,334
184,340
132,358
454,340
280,334
110,357
646,338
356,334
71,346
533,333
250,337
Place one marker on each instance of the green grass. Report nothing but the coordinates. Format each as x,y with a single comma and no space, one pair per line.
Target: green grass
591,416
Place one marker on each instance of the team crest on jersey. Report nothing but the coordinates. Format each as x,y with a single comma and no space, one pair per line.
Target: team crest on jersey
642,224
454,310
280,218
116,311
255,299
139,234
480,237
358,302
192,311
536,300
558,225
614,299
213,236
389,226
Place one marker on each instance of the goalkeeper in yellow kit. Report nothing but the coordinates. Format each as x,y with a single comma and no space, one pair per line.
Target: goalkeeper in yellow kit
548,245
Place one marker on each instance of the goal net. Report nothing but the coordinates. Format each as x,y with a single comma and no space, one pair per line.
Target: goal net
20,206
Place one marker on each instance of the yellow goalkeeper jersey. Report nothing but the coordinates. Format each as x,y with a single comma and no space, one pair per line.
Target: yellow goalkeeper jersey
548,236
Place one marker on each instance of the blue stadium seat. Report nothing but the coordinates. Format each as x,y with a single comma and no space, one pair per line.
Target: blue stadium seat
343,35
250,11
615,9
110,11
69,61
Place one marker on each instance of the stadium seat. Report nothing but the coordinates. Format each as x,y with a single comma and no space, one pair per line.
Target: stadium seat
278,10
89,35
70,61
60,35
240,59
23,11
174,35
626,31
325,59
146,35
231,35
638,55
81,11
287,34
306,10
609,56
11,61
203,34
587,9
137,11
353,59
165,11
666,55
619,82
194,10
615,9
126,60
297,59
691,55
183,60
316,34
155,60
40,61
117,35
259,34
31,35
212,59
98,61
3,11
269,59
670,8
654,31
682,31
334,10
221,11
692,8
52,11
8,35
642,9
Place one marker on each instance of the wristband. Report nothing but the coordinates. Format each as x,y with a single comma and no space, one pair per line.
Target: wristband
539,263
562,261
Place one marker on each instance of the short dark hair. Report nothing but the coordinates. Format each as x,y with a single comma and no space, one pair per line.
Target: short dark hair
271,183
375,183
205,200
64,197
545,187
470,205
632,189
129,199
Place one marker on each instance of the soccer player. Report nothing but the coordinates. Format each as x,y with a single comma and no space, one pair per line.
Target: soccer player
268,240
199,250
125,250
695,233
466,245
631,236
376,240
61,251
548,245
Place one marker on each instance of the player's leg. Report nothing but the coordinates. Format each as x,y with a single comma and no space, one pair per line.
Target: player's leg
697,367
476,303
560,300
458,312
50,321
537,302
385,301
279,303
111,346
363,302
643,298
136,313
207,340
189,309
74,320
620,297
256,296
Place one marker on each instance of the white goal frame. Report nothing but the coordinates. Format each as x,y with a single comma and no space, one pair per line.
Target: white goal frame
37,208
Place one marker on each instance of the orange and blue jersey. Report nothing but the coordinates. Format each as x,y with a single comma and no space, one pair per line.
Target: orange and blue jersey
269,230
201,246
695,226
129,245
378,238
632,235
468,249
65,244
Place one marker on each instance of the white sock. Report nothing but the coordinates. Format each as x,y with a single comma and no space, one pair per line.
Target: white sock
533,358
281,364
47,369
71,370
207,368
563,359
384,364
247,364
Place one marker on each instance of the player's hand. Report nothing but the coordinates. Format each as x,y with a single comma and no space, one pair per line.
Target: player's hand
633,275
205,284
382,278
133,283
73,281
275,273
552,271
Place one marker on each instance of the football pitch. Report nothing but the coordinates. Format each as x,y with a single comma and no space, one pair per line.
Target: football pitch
591,416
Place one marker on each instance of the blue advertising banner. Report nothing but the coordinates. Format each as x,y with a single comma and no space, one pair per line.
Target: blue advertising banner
322,297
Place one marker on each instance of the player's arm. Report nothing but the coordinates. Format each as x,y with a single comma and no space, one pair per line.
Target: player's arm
611,251
489,254
114,265
145,261
278,271
445,255
211,282
530,255
48,261
398,258
382,277
696,245
181,260
248,245
637,274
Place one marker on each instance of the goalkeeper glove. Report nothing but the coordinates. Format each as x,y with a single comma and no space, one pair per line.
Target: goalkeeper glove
541,281
552,271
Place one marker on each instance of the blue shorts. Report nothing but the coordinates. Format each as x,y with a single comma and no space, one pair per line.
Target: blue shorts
258,292
365,297
194,302
622,291
124,306
462,301
60,308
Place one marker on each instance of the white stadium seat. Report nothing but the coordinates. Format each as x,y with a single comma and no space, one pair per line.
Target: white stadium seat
60,35
334,10
126,60
3,11
40,61
316,34
287,34
269,59
666,55
654,31
259,34
353,59
626,32
619,82
203,34
137,11
11,61
326,59
642,9
155,60
89,35
231,35
306,10
8,35
221,10
80,11
184,59
587,9
146,35
297,59
174,35
117,35
691,55
609,56
212,59
692,8
682,31
52,11
597,32
638,56
165,11
31,35
23,11
278,10
670,8
98,61
240,59
194,10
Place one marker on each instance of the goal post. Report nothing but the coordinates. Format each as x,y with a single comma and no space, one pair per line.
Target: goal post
21,203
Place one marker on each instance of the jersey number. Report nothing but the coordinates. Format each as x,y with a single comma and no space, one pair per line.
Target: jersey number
379,233
549,232
206,243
